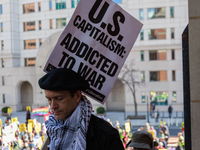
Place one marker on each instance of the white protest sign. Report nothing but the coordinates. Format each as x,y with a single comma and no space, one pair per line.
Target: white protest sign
95,44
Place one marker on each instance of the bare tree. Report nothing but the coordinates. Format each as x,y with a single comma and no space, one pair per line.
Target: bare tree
131,77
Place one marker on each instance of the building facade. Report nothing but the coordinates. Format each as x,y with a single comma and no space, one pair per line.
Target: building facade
29,30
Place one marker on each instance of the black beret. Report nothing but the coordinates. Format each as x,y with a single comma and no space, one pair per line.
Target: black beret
63,79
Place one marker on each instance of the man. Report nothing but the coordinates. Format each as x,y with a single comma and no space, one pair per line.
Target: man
141,140
170,111
71,125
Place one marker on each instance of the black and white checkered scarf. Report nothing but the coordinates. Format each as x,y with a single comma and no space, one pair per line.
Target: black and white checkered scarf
71,134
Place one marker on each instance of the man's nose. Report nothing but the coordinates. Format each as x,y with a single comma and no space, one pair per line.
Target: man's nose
54,104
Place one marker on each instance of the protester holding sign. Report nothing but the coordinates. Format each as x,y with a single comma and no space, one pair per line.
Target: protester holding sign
71,124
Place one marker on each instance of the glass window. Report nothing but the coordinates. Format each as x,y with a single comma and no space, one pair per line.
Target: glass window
157,34
29,61
141,35
29,44
1,9
40,40
39,6
60,23
4,100
3,80
143,97
172,12
141,14
29,26
2,62
117,1
40,25
174,96
60,4
156,13
142,55
1,26
142,76
172,33
159,98
28,8
74,3
173,75
157,55
173,54
51,23
2,45
158,75
50,5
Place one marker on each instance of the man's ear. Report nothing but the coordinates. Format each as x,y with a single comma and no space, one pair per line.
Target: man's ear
78,95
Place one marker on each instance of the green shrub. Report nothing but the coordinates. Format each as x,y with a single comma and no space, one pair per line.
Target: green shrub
4,110
100,110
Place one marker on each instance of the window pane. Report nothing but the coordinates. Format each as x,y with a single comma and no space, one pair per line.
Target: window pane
39,6
2,45
29,26
159,98
162,54
50,5
60,23
28,8
141,35
152,55
173,54
156,13
157,34
1,9
2,62
117,1
172,33
154,76
29,61
143,97
40,40
172,12
51,24
174,96
1,26
4,100
162,75
29,44
141,14
73,3
60,4
142,55
142,76
3,80
40,25
173,75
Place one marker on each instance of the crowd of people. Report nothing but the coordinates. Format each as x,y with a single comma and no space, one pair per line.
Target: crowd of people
160,139
13,139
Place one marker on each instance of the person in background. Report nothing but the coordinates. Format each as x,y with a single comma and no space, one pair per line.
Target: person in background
153,109
154,131
28,115
141,140
170,111
164,142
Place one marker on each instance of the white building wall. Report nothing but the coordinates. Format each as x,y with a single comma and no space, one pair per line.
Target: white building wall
14,52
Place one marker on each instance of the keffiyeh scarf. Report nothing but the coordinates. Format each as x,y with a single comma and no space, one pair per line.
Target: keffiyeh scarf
71,134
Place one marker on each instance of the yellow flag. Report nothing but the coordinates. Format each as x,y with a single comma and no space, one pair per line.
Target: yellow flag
9,110
14,120
127,127
28,108
30,127
22,127
31,121
38,128
0,122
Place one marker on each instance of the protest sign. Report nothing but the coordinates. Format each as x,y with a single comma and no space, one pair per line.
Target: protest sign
22,127
127,127
28,108
29,127
38,127
95,44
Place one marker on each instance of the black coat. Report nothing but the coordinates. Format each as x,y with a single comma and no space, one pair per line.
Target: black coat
102,136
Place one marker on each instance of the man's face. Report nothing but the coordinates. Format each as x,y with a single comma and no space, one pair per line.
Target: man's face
62,104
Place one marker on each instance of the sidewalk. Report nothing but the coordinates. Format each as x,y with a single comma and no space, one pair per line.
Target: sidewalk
113,116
